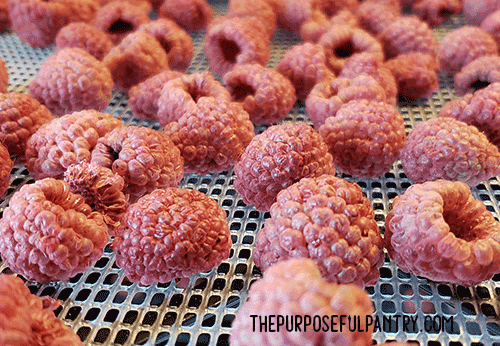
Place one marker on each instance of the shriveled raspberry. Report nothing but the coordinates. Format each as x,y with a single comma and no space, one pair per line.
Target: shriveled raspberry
374,17
80,10
319,24
327,97
65,141
145,158
175,41
462,46
20,117
172,233
5,169
277,158
72,80
408,34
374,67
120,18
305,66
491,25
438,230
26,318
478,74
143,97
364,137
342,41
295,288
138,57
85,36
481,109
435,12
191,15
265,94
415,73
445,148
49,234
145,5
475,11
211,136
259,9
4,16
236,40
181,94
102,190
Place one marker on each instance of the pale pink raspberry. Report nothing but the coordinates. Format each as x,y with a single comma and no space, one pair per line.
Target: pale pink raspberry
475,11
85,36
478,74
189,14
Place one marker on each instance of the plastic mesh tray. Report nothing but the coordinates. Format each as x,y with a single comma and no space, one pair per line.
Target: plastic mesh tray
104,308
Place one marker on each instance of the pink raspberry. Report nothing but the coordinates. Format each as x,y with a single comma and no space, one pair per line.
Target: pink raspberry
305,66
65,141
85,36
277,158
172,233
364,137
462,46
313,29
101,189
72,80
259,9
235,40
265,94
478,74
138,57
491,25
408,34
375,16
175,41
211,136
191,15
415,73
438,230
28,319
326,98
181,94
295,288
145,158
20,117
5,170
4,77
145,5
49,234
392,5
327,219
445,148
475,11
143,97
342,41
120,18
435,12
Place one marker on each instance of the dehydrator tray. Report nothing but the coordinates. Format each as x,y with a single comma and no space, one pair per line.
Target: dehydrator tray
104,308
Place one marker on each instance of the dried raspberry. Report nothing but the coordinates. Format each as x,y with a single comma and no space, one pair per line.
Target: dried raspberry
20,117
463,45
175,41
445,148
66,141
138,57
295,288
72,80
85,36
491,25
277,158
319,24
475,11
50,234
374,67
265,94
374,17
80,10
438,230
172,233
120,18
262,10
435,12
481,109
478,74
4,16
145,158
190,15
143,97
232,41
26,320
364,138
145,5
5,169
415,73
4,77
326,98
342,41
211,136
181,94
408,34
305,66
101,189
328,220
